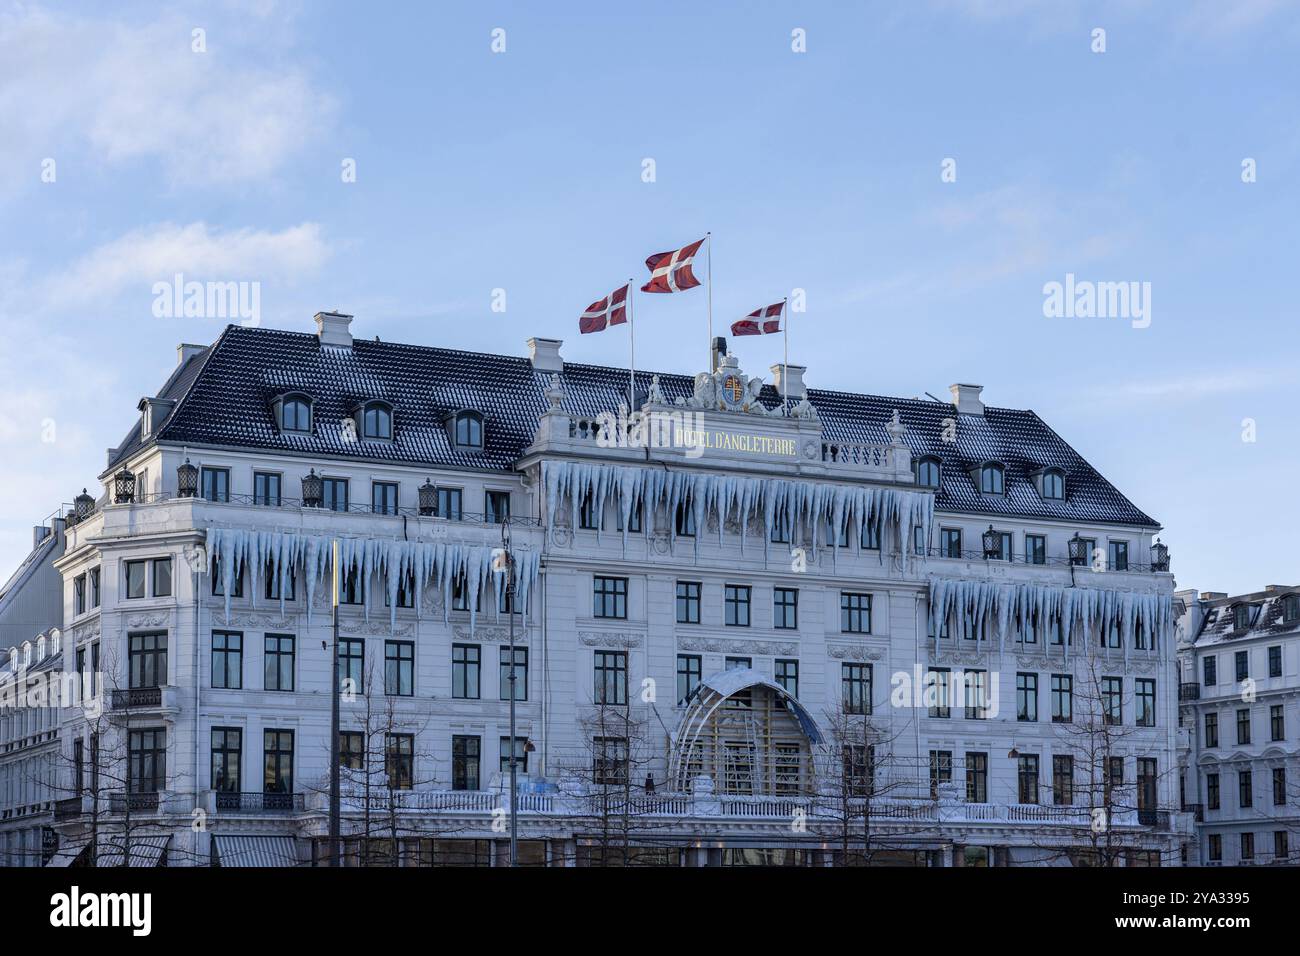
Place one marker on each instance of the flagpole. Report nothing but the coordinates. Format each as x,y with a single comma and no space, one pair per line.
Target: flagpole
785,363
709,277
631,333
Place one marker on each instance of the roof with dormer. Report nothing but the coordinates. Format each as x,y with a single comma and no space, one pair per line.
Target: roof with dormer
224,399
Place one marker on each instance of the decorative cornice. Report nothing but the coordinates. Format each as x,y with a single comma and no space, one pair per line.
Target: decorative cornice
148,620
854,652
610,638
730,646
490,634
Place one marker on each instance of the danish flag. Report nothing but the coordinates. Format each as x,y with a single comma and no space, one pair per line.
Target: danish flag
760,321
611,310
671,271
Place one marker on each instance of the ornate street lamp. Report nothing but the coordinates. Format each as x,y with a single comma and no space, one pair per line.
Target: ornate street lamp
992,544
313,490
1159,556
1078,550
428,498
187,480
123,487
82,506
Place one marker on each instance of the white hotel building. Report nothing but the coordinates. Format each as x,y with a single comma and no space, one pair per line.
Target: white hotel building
709,639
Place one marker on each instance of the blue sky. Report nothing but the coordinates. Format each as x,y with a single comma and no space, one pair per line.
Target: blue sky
820,170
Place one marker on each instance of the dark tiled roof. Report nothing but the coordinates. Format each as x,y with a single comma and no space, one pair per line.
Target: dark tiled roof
229,404
1267,616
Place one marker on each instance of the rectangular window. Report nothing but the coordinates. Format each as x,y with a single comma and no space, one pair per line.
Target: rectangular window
787,675
94,587
1212,791
146,760
950,542
684,519
785,608
465,762
1112,700
634,522
940,770
136,575
1211,730
1028,778
977,777
215,484
162,577
1216,847
1207,665
588,520
399,760
610,685
736,599
266,489
1280,849
277,662
688,602
1035,549
936,691
1248,846
1146,783
855,613
1277,721
855,684
1144,697
465,662
521,755
1062,780
277,761
352,750
383,497
521,673
218,580
1279,786
335,492
1062,698
689,673
975,683
399,668
1245,789
496,507
609,761
1242,660
79,594
449,503
1243,726
1027,697
272,585
609,597
1275,661
352,660
227,748
148,659
227,660
870,536
352,587
1119,555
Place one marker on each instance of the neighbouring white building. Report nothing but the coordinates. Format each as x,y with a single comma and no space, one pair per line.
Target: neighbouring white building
1239,660
865,628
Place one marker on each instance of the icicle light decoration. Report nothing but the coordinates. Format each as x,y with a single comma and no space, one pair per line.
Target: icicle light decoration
791,505
977,609
282,553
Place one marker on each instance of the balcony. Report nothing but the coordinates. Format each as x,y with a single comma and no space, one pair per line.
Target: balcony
137,802
137,697
1189,692
69,808
240,802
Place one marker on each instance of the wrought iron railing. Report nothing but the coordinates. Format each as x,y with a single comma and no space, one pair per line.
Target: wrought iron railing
137,697
1189,691
1048,561
298,504
133,801
254,802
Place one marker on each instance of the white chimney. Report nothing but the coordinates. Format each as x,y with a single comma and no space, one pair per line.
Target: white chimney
185,352
545,354
334,329
797,388
967,399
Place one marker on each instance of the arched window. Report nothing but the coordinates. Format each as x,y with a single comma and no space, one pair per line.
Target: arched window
377,421
469,430
991,479
295,414
1053,483
927,472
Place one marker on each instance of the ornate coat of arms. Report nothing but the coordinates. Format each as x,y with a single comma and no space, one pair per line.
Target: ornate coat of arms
729,390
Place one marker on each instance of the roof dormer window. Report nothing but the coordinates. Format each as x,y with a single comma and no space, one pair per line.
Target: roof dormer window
928,471
1051,484
992,478
1241,615
377,421
293,413
1291,608
467,430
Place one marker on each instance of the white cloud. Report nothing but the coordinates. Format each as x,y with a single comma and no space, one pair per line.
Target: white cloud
156,253
127,93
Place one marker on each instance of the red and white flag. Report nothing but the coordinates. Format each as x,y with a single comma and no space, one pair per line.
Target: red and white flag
611,310
671,271
760,321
